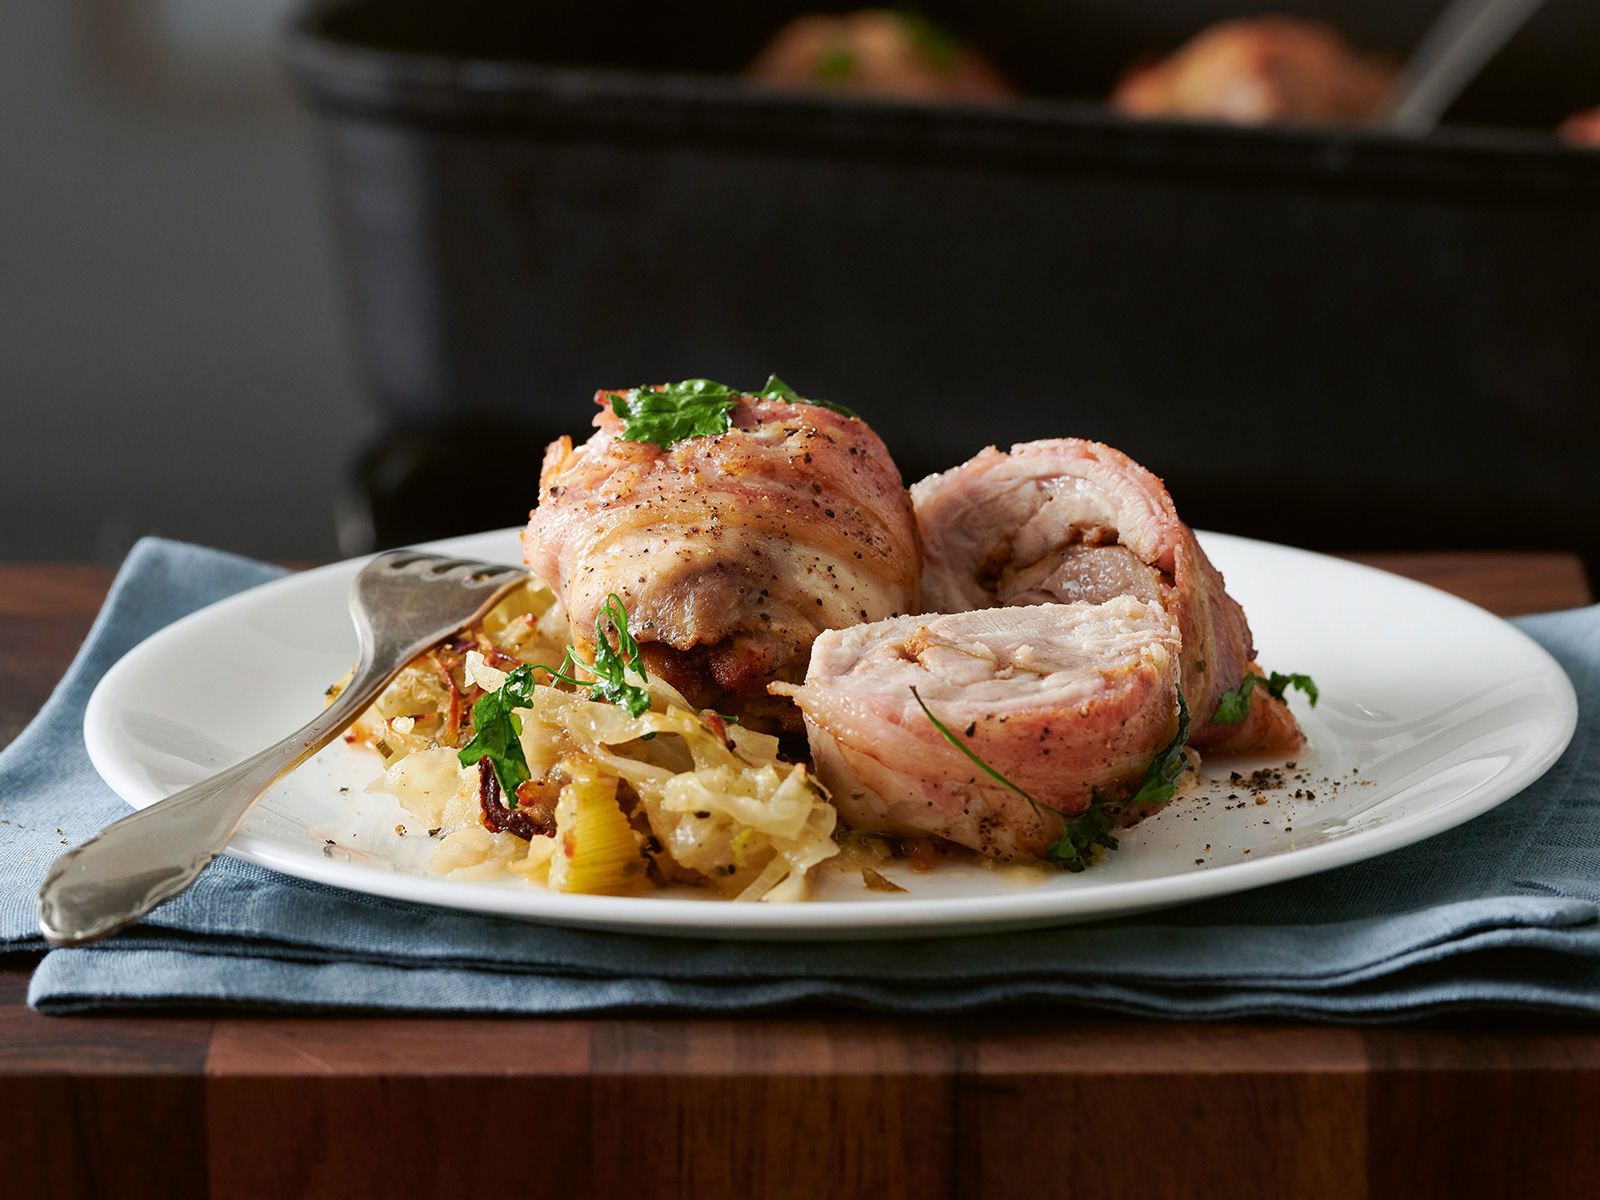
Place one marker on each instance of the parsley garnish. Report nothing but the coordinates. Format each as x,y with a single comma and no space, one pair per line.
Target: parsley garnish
611,665
1159,785
1235,705
938,48
1279,684
693,408
983,766
1089,828
1160,782
836,66
496,729
1092,826
777,389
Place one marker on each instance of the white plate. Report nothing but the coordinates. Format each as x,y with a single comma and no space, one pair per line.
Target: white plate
1432,712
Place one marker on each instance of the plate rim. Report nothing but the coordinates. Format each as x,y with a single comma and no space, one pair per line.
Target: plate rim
931,916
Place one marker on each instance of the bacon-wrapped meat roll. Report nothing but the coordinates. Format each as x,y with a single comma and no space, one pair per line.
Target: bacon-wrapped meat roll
1066,520
1261,70
1069,702
730,551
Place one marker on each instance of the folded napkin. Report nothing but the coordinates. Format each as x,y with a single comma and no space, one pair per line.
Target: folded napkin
1501,912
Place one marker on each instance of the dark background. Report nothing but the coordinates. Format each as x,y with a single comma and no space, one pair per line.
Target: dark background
177,353
173,343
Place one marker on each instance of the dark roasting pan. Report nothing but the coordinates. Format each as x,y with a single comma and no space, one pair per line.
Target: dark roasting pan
1334,338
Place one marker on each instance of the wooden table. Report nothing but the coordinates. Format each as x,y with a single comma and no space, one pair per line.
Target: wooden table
818,1103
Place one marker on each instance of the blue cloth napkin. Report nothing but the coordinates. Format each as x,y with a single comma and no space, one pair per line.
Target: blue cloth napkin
1501,912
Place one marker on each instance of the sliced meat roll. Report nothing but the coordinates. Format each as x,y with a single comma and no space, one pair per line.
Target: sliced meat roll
1258,70
1062,699
1066,520
730,552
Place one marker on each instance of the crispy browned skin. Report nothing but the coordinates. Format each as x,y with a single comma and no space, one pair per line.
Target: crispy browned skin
729,552
1260,70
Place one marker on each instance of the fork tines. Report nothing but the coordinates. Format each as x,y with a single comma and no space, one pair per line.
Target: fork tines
416,562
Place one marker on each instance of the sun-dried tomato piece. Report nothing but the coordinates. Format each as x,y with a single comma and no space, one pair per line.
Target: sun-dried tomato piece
528,823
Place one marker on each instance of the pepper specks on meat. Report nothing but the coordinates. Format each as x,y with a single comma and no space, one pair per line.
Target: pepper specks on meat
793,521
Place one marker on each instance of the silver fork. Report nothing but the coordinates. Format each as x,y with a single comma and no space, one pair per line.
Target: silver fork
402,603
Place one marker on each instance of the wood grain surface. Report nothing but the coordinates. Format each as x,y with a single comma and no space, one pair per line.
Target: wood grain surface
815,1103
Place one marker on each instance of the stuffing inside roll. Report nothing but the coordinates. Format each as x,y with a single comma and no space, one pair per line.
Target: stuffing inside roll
1069,702
1067,520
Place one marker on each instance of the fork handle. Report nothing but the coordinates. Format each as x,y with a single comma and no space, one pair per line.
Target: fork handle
147,858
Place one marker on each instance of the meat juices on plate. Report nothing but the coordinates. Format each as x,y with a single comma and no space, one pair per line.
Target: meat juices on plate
731,551
1065,520
1064,700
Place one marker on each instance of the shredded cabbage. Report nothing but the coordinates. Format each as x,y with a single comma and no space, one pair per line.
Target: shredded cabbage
713,804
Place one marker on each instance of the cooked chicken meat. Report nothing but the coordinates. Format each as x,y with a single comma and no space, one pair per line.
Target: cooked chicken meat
1065,700
1066,520
875,52
730,552
1259,70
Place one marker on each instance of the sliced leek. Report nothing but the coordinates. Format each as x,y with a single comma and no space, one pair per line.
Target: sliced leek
596,849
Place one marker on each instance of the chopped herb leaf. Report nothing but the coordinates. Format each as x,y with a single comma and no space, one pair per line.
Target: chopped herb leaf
611,664
938,48
1092,827
777,389
950,737
693,408
1279,684
1235,705
838,65
1160,782
496,729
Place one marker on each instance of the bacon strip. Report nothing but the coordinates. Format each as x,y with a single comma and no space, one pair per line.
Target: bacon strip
452,724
